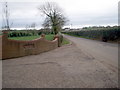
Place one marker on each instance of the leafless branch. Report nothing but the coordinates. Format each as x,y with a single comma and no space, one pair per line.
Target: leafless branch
55,17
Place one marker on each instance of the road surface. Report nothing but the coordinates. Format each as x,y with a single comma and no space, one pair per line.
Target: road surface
82,64
106,53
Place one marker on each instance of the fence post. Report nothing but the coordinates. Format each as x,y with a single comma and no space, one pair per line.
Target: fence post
43,35
60,39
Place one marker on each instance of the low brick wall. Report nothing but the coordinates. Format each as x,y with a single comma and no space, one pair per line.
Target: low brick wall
0,47
17,48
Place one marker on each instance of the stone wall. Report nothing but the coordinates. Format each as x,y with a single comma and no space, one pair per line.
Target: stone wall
17,48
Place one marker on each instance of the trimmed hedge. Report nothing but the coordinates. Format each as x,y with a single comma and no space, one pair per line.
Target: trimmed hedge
103,34
28,33
18,34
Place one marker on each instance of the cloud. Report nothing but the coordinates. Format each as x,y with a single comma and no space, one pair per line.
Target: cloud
79,12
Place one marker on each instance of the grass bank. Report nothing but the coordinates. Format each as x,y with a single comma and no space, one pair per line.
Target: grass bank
79,36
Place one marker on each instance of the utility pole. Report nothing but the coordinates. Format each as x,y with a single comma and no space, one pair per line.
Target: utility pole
5,17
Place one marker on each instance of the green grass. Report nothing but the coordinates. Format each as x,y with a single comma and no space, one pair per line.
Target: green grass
48,37
79,36
24,38
65,41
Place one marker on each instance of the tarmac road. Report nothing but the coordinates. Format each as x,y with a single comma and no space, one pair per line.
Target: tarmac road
106,53
81,64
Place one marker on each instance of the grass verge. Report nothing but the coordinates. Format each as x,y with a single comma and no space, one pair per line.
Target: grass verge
65,41
79,36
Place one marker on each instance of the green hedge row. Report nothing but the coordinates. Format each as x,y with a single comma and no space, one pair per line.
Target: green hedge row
44,32
26,33
19,34
103,34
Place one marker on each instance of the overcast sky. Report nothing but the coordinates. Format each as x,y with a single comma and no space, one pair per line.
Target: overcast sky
80,13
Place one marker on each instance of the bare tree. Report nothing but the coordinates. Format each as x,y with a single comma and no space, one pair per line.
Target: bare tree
46,23
54,16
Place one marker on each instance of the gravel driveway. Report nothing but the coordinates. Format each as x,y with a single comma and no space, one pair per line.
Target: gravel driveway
64,67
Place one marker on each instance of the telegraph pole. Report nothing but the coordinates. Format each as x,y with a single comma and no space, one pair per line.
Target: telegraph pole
5,17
